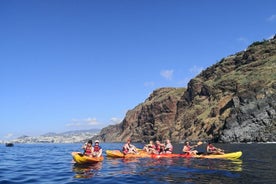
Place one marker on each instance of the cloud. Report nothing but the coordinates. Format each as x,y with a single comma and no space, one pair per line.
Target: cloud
115,120
167,74
272,18
195,70
82,123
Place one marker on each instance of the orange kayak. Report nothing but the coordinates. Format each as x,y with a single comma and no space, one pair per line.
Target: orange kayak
119,154
82,159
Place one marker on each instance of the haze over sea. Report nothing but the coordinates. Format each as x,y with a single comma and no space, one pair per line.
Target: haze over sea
52,163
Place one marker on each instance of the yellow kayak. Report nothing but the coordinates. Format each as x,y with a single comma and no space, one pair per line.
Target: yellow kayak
82,159
233,155
119,154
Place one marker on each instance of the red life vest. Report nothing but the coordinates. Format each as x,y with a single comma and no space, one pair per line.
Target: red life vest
188,148
88,150
211,147
97,148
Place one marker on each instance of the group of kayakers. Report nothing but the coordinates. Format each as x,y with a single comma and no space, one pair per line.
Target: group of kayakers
152,148
210,149
158,147
167,148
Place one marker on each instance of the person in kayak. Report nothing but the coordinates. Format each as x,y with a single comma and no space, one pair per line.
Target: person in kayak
97,149
168,147
211,149
159,148
129,148
88,149
188,149
150,148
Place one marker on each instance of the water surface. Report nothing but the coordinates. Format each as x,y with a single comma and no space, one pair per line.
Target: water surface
52,163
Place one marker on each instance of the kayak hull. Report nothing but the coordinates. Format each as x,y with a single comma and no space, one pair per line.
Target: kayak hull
82,159
119,154
232,155
142,154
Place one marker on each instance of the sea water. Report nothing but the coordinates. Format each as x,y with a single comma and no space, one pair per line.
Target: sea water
52,163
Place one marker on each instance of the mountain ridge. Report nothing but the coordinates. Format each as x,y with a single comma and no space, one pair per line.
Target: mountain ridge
230,101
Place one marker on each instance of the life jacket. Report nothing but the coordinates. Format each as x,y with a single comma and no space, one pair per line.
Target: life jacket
97,148
170,148
159,148
126,148
88,150
152,146
211,147
188,148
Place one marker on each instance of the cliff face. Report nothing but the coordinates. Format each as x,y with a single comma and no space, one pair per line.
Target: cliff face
231,101
151,120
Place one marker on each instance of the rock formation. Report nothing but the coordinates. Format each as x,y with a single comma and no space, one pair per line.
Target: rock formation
231,101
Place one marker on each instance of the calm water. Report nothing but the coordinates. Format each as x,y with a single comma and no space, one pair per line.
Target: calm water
52,163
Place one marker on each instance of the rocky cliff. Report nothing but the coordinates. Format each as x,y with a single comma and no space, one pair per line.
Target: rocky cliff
231,101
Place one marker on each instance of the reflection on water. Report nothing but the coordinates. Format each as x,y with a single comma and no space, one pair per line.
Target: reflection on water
175,170
86,171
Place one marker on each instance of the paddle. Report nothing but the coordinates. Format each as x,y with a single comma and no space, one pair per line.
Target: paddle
198,144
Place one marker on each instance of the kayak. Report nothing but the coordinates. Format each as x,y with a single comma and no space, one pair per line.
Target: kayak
233,155
172,155
82,159
142,154
119,154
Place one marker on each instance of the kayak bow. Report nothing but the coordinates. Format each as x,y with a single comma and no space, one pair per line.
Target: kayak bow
82,159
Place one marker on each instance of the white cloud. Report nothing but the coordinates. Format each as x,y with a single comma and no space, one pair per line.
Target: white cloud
167,74
115,120
272,18
195,70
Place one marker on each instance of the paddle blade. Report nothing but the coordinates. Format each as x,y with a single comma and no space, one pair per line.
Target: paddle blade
199,143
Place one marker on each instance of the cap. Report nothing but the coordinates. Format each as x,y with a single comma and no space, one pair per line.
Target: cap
97,141
90,141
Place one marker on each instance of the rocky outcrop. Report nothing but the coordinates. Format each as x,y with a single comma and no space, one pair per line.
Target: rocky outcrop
231,101
151,120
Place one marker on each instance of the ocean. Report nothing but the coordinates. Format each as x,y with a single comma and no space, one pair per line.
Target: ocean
52,163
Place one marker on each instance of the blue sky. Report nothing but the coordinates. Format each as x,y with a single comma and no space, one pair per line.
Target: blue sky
69,65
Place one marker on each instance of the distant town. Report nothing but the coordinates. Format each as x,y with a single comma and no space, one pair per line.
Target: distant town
66,137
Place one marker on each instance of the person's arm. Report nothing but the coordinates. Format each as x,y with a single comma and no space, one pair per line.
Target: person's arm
184,149
84,146
100,152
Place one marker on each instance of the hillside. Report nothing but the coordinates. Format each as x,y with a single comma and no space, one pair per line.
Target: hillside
231,101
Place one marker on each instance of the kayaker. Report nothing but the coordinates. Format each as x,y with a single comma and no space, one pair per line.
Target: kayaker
88,149
168,147
188,149
159,148
97,149
129,148
211,149
150,148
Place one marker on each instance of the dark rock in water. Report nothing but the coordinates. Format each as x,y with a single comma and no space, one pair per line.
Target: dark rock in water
9,144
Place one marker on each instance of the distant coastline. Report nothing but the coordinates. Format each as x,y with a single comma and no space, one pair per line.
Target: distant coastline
65,137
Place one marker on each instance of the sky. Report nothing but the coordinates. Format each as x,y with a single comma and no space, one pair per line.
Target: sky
82,64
